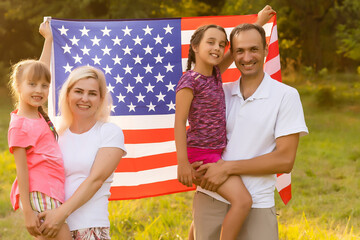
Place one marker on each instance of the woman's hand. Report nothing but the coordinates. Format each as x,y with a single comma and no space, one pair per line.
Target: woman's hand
45,30
32,223
264,15
52,220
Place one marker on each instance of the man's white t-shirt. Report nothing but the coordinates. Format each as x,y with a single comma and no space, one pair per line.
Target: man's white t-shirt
79,152
252,126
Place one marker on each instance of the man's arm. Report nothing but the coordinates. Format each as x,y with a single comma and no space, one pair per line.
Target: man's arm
281,160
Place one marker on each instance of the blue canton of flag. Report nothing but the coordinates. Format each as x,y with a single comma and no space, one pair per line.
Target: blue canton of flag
141,60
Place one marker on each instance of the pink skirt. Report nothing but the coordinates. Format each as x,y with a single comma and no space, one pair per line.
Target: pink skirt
205,155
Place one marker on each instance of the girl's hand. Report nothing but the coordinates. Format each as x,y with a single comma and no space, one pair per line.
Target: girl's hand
264,15
215,175
32,223
45,30
185,174
52,220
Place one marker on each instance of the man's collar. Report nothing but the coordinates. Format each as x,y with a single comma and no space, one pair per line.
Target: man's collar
262,91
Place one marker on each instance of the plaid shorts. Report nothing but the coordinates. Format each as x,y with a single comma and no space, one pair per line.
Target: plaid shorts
41,202
94,233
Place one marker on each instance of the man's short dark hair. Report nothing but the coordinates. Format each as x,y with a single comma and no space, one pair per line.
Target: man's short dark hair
246,27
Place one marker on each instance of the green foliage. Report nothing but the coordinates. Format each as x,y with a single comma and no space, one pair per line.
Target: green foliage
306,28
347,31
325,96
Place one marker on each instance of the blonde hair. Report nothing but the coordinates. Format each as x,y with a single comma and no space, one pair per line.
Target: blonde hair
80,73
32,70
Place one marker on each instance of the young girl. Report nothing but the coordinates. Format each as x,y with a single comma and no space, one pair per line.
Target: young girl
33,141
200,100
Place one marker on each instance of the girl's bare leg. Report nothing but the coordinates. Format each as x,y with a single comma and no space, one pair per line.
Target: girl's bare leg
236,193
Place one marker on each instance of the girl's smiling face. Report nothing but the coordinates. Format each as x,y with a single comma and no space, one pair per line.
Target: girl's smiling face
33,93
211,48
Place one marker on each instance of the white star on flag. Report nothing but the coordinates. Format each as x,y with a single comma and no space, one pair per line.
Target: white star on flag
151,107
96,60
67,68
95,41
67,49
74,41
63,30
84,31
110,88
106,31
118,79
168,29
121,98
117,60
116,41
85,50
127,31
77,58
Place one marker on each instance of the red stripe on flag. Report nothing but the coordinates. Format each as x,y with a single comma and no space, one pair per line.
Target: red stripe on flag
285,194
230,75
185,51
273,50
147,163
149,135
147,190
191,23
277,76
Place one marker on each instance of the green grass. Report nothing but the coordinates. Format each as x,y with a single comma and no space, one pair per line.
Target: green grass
325,178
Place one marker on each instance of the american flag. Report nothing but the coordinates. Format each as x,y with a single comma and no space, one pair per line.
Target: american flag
143,60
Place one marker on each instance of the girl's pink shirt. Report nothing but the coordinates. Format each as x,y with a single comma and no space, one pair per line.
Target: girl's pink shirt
44,158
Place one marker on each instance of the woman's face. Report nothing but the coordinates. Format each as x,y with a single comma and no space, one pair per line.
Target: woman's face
84,98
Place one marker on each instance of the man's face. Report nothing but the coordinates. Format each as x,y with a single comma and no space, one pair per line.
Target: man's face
249,53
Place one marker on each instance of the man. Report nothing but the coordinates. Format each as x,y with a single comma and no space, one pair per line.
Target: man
264,122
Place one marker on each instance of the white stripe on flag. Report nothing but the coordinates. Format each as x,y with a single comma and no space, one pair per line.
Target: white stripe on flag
148,149
186,34
138,122
283,181
273,65
144,177
274,35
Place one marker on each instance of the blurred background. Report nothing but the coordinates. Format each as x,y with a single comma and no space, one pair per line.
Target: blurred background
314,36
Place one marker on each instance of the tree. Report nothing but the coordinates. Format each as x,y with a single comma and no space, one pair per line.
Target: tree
348,29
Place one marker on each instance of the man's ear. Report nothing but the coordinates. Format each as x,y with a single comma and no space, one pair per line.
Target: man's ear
266,50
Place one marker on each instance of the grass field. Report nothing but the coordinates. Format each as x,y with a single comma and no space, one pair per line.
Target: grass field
325,179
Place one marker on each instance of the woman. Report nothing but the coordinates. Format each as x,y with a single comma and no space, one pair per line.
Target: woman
91,148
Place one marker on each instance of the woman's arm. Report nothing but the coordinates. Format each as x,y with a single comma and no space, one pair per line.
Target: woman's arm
263,17
105,163
31,220
184,98
45,31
